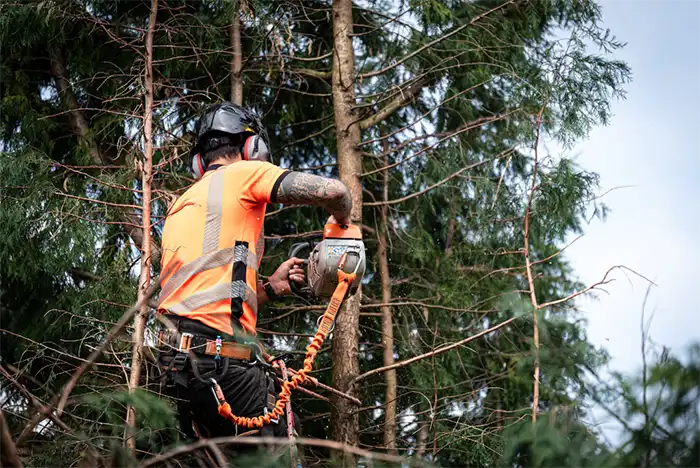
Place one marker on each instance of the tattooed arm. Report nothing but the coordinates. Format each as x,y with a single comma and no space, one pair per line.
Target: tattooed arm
299,188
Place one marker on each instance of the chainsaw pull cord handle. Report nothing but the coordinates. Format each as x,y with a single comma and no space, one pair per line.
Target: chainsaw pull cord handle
324,328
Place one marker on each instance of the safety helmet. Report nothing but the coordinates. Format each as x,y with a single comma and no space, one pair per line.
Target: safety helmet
221,120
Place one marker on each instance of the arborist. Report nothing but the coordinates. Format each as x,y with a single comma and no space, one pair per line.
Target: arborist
212,247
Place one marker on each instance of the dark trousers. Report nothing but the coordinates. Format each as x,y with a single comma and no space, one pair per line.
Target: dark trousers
246,387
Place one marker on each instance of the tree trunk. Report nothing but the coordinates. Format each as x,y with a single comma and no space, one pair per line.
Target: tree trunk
346,335
423,434
387,322
77,119
147,174
451,228
236,72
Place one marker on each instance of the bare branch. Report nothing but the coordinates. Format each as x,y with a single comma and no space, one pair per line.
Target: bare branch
404,98
8,450
435,41
146,181
78,122
88,363
605,280
434,186
233,440
464,128
441,350
328,388
236,74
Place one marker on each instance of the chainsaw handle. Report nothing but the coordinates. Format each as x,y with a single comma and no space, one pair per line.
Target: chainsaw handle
299,247
302,292
296,250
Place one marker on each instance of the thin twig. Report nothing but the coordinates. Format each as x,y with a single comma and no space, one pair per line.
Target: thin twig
87,364
435,41
233,440
427,189
441,350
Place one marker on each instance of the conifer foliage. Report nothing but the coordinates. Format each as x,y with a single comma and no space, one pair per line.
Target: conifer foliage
464,347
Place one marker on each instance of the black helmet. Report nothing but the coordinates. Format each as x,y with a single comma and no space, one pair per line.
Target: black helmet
227,118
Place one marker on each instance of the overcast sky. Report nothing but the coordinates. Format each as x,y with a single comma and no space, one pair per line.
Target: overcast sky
652,144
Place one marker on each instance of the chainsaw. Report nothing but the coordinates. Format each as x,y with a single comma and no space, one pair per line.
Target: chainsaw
339,243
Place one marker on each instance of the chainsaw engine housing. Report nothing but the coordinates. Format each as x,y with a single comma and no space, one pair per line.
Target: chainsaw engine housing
326,255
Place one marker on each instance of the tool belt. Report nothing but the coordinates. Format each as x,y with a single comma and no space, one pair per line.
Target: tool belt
184,342
180,347
191,338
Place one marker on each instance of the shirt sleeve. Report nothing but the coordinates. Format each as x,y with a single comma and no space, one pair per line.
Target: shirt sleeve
263,181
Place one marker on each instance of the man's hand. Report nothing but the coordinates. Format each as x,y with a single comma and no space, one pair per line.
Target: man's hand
344,222
288,271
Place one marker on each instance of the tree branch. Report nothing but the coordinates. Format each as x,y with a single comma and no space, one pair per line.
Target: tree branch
436,41
78,122
528,269
406,362
146,181
434,186
236,73
404,98
314,381
321,75
443,136
592,286
87,363
8,451
81,129
233,440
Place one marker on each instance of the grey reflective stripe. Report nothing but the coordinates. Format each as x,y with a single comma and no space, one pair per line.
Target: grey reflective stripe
240,289
242,254
200,264
208,262
200,299
216,294
252,261
215,203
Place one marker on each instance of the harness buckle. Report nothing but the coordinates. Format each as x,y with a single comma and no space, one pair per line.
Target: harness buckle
185,342
179,361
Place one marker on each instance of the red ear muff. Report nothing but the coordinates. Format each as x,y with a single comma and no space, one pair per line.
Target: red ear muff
255,149
245,148
198,168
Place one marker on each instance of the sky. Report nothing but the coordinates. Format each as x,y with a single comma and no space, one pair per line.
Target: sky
651,145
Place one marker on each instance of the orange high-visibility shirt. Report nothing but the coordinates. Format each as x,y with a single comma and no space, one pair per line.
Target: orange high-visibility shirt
209,263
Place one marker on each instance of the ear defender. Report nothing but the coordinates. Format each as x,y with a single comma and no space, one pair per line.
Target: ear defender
198,168
255,149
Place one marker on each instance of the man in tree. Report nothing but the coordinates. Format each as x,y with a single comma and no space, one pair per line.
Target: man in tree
212,247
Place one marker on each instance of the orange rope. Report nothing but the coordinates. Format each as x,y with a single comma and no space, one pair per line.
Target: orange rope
344,282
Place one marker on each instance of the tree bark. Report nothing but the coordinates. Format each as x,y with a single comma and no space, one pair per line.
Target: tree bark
77,119
451,228
423,434
236,72
147,174
387,322
346,335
